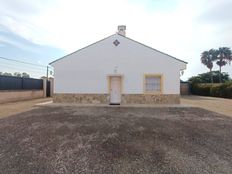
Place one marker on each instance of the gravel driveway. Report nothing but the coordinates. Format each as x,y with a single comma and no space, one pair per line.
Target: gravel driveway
219,105
11,108
71,139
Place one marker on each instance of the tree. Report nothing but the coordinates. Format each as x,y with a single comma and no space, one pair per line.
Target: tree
206,77
25,75
17,74
7,74
207,58
222,56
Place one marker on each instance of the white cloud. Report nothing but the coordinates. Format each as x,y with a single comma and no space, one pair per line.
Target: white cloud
15,43
73,24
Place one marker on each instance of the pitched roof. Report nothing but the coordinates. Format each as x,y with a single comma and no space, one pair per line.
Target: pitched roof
123,37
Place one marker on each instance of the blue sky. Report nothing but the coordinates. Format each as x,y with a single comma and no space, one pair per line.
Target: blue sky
42,31
14,46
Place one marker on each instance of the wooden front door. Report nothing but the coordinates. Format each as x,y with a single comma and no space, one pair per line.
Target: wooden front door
115,90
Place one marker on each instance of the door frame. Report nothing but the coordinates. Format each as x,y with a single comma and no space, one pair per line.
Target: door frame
109,82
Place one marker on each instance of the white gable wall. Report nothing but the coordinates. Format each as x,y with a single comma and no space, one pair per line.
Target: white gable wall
86,70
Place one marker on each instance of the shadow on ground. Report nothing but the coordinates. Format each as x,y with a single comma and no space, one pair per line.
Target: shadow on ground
116,140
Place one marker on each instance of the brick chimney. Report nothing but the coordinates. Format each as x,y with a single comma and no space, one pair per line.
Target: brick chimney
122,30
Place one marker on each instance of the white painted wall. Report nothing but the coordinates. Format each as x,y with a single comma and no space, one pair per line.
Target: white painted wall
86,71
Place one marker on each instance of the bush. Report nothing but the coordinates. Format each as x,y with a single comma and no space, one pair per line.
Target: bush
201,89
206,77
216,90
223,90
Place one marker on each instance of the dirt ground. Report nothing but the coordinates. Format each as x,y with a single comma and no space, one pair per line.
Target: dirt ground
71,139
219,105
12,108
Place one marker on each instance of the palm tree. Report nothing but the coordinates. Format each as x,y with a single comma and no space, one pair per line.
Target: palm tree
222,57
207,58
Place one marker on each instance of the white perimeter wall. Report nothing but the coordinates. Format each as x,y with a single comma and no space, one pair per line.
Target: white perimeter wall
86,70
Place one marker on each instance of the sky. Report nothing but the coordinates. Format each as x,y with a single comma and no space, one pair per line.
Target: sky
42,31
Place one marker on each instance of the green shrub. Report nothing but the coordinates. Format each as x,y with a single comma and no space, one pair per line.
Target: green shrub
216,90
223,90
226,90
206,77
201,89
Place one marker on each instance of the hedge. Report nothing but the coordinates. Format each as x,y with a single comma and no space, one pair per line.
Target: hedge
223,90
201,89
215,90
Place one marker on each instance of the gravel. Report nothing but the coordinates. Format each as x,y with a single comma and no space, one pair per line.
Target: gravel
71,139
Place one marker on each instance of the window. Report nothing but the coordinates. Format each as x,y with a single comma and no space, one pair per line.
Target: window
153,83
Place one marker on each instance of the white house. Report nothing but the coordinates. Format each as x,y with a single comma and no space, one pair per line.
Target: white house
117,70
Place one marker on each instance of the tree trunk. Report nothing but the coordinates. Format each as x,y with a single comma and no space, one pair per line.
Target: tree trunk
220,78
211,76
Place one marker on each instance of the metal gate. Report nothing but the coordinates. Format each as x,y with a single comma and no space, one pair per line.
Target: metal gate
48,89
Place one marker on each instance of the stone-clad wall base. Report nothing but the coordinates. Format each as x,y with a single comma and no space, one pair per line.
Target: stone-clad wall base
150,99
81,98
126,98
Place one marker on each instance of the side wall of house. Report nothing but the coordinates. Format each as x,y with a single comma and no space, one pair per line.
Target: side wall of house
86,71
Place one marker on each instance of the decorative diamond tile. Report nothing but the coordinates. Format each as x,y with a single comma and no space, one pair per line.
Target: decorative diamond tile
116,42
